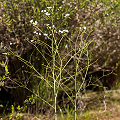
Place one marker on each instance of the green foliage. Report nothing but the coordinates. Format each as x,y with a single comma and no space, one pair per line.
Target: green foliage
1,105
31,100
1,45
2,64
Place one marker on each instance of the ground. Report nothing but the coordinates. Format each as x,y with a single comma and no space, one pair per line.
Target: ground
100,106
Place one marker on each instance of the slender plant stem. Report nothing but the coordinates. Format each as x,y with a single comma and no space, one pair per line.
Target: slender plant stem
53,71
75,85
76,67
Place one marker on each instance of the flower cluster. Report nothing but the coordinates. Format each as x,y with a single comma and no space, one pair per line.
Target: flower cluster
37,33
34,23
67,15
46,13
63,31
83,28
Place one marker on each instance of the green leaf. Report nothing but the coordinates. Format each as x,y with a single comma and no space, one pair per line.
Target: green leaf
18,108
2,84
1,45
2,64
4,53
1,105
6,70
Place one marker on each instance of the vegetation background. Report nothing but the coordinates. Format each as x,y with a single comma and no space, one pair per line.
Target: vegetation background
52,53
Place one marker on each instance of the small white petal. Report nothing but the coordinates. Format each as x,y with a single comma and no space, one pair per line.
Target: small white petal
61,31
76,8
45,34
65,31
47,13
44,10
49,7
53,26
66,15
60,7
47,24
31,21
85,28
31,40
80,28
39,33
35,32
66,47
35,23
11,43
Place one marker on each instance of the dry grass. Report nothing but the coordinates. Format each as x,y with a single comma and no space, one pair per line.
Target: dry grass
100,106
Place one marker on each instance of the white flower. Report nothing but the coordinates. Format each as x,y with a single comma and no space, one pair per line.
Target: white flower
53,26
47,24
80,28
49,27
43,10
35,23
49,7
61,31
65,31
60,7
39,33
47,13
76,8
45,34
31,21
31,40
66,15
66,47
11,43
84,28
35,32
